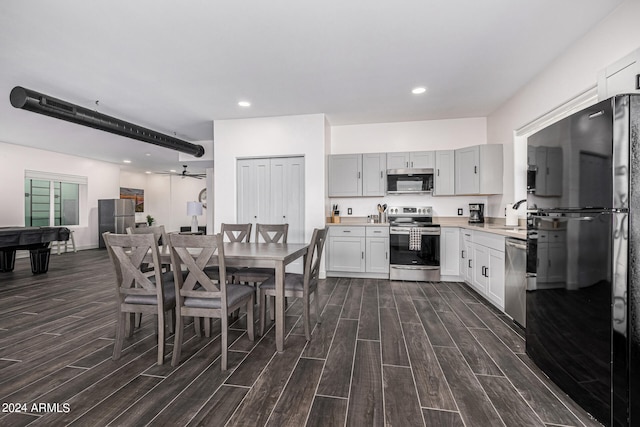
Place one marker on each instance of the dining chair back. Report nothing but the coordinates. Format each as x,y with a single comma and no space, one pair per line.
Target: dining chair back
159,234
198,295
299,285
138,290
272,233
268,233
236,232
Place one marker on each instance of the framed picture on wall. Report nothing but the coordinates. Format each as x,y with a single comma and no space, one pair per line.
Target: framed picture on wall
135,194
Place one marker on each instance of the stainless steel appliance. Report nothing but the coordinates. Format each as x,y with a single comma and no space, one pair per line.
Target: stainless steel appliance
400,181
515,295
115,215
414,244
583,303
476,213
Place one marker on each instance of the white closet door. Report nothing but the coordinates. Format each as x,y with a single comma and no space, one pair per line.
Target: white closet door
253,186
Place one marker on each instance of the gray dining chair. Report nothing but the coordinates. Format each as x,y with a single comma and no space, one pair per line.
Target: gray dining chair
267,233
138,290
299,285
198,295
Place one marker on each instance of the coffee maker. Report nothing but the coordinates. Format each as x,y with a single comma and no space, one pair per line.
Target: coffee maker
476,213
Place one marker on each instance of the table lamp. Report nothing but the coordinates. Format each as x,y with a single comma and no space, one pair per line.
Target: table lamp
194,209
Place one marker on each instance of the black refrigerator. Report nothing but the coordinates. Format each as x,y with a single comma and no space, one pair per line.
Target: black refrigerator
583,236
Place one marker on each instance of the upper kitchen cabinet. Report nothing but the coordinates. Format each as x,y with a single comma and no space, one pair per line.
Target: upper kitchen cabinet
479,169
444,174
415,160
353,175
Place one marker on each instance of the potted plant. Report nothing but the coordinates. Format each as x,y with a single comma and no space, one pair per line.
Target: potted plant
150,220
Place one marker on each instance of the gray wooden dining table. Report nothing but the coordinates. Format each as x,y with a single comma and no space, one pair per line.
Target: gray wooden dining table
269,255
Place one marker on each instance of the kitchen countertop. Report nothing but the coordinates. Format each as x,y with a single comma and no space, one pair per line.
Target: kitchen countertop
496,227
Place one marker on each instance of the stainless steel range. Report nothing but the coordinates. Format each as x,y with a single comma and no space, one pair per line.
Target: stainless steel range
414,244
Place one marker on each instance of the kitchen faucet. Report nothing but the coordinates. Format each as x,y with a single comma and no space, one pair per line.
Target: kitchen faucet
517,204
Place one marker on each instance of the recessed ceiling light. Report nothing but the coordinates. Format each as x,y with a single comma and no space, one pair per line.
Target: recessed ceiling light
147,154
244,104
172,170
418,90
126,161
147,172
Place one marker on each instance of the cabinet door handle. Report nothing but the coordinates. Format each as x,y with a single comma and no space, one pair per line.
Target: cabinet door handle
469,263
362,255
380,174
475,169
438,172
482,269
486,271
386,255
346,231
358,175
411,164
462,254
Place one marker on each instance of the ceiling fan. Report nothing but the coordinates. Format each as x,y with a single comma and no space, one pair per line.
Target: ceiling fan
186,174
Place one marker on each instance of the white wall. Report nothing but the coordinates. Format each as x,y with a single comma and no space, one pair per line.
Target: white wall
568,76
103,183
408,136
262,137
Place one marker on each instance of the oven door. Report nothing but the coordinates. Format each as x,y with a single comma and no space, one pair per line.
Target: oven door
419,264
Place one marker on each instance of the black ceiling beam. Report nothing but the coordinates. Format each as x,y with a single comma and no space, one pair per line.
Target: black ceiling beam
36,102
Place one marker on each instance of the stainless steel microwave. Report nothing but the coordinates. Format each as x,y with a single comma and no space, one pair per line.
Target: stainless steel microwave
402,181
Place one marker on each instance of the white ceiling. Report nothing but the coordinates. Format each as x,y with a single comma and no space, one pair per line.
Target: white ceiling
176,67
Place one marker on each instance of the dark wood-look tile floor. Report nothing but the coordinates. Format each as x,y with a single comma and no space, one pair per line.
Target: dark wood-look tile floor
387,353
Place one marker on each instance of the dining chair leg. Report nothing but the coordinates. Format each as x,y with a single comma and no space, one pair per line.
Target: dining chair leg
272,308
207,326
305,316
172,324
224,325
197,326
177,342
120,334
250,321
263,314
138,322
160,326
316,302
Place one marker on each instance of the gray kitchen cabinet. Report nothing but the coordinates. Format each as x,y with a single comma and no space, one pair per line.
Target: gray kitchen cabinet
377,253
353,175
358,251
374,171
449,250
346,249
488,267
345,175
444,174
466,255
415,159
479,169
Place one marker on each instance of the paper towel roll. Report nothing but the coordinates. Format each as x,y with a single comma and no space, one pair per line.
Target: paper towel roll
512,216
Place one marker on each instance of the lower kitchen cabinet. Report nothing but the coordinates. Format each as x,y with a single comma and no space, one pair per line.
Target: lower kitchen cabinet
449,250
377,243
358,251
483,268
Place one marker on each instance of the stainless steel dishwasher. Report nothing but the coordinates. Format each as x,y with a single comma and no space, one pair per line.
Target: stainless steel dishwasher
515,294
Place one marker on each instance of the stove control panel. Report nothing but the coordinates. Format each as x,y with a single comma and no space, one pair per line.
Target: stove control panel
411,211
